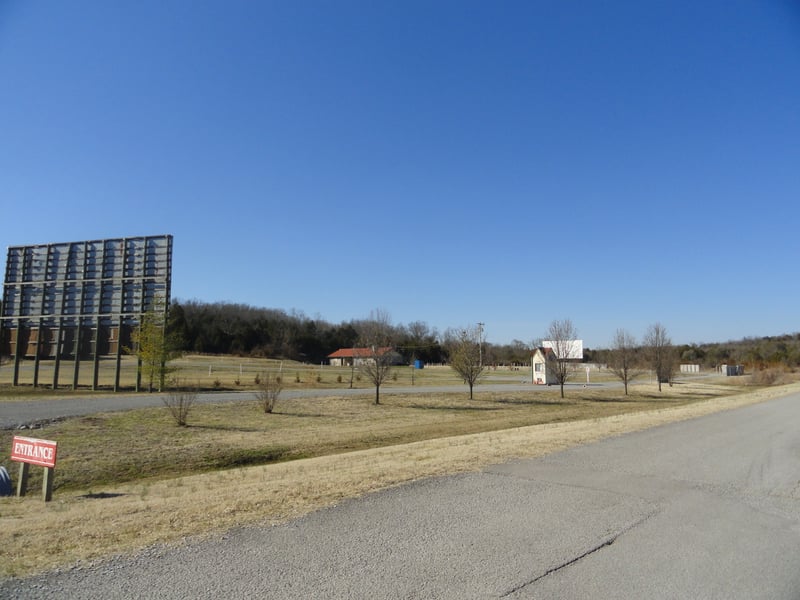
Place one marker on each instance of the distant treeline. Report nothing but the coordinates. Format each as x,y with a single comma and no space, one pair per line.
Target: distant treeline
756,353
240,329
243,330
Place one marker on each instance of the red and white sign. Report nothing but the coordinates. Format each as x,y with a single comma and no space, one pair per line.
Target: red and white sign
33,451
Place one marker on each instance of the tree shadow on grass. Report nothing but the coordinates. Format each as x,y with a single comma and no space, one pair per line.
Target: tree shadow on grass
689,398
620,399
225,428
445,407
244,457
101,495
301,415
266,416
521,402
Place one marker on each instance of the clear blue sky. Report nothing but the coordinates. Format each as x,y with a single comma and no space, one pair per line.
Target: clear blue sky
615,163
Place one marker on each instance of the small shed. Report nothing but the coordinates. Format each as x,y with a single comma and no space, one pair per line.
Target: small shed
732,370
542,360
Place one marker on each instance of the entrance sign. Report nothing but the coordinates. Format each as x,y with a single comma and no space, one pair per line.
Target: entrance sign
36,452
31,451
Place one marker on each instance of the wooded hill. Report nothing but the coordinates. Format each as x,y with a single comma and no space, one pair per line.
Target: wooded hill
240,329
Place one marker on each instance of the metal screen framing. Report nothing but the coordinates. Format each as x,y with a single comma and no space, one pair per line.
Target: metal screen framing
80,300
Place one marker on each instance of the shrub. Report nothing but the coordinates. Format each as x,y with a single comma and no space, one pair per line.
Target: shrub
766,377
179,402
268,391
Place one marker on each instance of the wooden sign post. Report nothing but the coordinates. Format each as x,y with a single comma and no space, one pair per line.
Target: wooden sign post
30,451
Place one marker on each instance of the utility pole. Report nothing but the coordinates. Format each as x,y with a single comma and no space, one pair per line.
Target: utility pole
480,343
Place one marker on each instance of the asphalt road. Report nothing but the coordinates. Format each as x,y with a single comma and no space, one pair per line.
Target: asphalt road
13,414
707,508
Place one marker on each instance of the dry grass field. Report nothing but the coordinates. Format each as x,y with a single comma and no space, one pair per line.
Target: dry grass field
128,480
208,372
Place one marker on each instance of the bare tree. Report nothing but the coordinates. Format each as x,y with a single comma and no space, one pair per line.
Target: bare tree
419,332
659,353
465,356
563,337
376,340
622,358
269,388
179,402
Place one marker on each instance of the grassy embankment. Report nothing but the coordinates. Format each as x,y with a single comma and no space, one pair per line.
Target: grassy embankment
125,480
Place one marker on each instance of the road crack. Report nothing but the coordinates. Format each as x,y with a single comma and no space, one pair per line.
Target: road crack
604,544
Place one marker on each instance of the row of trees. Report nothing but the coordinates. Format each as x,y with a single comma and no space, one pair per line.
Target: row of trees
240,329
628,360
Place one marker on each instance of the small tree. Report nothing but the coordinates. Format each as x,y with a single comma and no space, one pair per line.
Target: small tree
465,357
622,358
563,337
153,347
376,340
179,402
659,353
269,388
